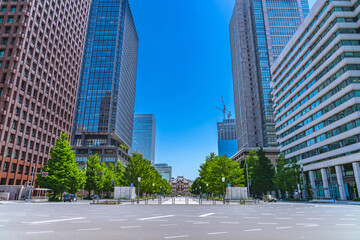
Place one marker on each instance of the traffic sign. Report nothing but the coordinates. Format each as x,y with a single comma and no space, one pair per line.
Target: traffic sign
131,184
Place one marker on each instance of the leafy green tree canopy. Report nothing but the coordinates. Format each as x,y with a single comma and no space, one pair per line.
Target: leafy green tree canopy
63,172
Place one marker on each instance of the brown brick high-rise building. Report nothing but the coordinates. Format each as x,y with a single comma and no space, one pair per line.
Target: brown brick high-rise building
41,47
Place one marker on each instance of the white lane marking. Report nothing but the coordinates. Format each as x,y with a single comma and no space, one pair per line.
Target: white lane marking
56,220
251,217
316,218
348,219
4,221
229,222
88,229
253,230
208,214
166,225
307,224
39,232
116,220
268,223
216,233
130,226
283,228
2,225
283,218
348,224
312,225
81,222
201,223
181,236
166,216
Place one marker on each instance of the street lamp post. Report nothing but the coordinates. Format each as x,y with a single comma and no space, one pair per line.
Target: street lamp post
139,179
115,176
247,181
303,179
200,192
32,180
332,189
83,190
223,181
207,190
153,190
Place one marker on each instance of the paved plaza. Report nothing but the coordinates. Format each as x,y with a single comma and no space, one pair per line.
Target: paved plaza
83,220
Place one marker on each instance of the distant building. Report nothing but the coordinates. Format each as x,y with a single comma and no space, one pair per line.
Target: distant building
315,87
144,136
41,47
259,30
271,153
165,170
180,186
104,116
227,137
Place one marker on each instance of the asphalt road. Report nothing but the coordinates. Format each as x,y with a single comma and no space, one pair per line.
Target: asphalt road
264,221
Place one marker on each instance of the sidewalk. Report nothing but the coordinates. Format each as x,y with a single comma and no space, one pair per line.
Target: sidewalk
326,202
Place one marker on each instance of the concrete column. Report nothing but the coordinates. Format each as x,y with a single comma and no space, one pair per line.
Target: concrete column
356,168
312,183
325,182
340,182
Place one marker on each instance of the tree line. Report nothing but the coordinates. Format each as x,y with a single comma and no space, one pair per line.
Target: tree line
98,177
256,171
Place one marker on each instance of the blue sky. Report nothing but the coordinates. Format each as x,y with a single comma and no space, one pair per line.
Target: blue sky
184,68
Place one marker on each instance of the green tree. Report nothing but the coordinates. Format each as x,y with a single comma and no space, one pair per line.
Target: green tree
140,167
281,175
63,172
94,182
261,174
288,175
195,187
119,174
214,169
108,178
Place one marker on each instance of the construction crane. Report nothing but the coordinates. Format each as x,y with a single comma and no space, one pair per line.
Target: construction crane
223,110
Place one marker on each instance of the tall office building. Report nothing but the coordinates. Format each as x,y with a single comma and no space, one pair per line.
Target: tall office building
164,169
259,30
144,136
105,106
316,89
227,137
41,46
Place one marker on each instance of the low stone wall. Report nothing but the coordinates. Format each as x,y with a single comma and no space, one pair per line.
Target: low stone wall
16,192
236,193
124,193
4,196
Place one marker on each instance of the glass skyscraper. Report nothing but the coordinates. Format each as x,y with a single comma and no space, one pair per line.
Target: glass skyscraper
259,30
144,136
227,137
105,106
